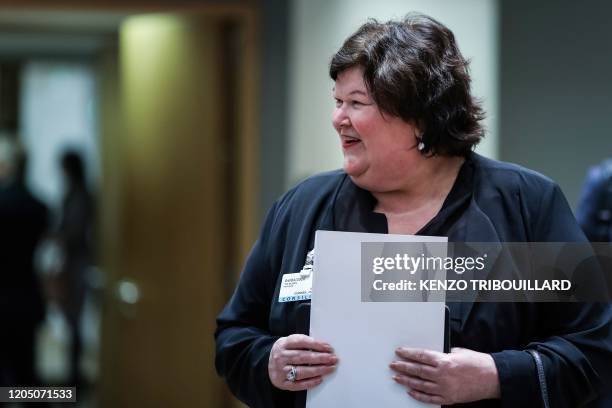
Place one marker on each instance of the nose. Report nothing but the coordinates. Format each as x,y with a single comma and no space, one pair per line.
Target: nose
340,118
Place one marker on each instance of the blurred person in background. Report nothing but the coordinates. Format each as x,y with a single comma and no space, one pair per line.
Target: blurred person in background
74,237
23,222
594,212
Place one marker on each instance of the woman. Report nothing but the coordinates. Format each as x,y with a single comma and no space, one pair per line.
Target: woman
407,124
74,235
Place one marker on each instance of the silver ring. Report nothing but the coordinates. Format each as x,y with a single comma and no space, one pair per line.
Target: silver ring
292,374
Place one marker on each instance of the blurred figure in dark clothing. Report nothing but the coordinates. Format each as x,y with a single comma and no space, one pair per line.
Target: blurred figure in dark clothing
23,221
74,236
594,212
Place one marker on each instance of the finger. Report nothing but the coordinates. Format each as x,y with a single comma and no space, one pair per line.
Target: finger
305,372
302,384
417,384
427,398
458,350
301,341
428,357
423,371
302,357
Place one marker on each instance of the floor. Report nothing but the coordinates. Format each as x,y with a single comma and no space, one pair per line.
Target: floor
53,345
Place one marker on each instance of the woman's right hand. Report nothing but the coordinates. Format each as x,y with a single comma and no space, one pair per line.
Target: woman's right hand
312,359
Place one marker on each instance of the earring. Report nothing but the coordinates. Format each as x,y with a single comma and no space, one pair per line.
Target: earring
420,144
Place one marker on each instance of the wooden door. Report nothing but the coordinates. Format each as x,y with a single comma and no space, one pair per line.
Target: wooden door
178,202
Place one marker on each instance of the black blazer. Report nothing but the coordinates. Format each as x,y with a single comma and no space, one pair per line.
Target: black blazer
23,221
489,202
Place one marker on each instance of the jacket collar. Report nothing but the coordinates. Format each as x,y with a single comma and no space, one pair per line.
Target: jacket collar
461,219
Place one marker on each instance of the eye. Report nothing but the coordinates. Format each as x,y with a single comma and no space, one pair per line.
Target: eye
338,102
357,103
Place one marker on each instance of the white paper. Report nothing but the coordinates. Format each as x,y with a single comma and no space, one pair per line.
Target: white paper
364,335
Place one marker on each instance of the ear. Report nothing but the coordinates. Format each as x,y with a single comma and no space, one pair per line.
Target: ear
419,128
418,133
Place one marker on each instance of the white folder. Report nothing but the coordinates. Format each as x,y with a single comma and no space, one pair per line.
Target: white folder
364,335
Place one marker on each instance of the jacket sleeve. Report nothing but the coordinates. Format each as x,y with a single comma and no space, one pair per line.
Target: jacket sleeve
243,340
575,345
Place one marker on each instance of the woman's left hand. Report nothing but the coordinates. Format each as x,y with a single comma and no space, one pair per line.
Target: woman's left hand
446,378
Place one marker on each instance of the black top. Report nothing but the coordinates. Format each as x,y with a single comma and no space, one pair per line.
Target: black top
23,221
489,202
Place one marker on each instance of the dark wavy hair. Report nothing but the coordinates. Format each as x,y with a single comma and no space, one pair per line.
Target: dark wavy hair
413,69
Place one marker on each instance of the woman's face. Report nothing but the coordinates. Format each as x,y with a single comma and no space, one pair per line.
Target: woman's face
379,149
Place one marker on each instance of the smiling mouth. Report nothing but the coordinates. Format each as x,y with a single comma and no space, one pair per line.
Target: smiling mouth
349,141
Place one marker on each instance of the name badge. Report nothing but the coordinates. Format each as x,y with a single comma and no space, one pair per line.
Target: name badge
294,287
